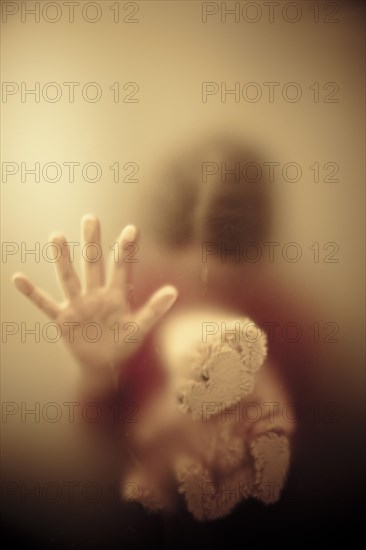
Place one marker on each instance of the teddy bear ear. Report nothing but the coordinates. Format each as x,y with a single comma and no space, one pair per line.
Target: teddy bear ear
250,342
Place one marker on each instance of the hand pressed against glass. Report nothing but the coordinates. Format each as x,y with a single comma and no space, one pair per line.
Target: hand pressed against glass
96,321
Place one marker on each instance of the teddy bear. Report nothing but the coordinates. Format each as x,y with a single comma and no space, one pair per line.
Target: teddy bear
219,432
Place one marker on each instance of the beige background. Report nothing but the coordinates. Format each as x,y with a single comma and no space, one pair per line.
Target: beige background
170,52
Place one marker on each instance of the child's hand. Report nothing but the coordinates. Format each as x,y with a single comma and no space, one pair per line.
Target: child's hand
97,322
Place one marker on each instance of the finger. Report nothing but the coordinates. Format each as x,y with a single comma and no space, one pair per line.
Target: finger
160,302
121,276
68,278
92,252
37,296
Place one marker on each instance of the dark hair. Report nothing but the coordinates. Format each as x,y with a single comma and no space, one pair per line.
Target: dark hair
216,193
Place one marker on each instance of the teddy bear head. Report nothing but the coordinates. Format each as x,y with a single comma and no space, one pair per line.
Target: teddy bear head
220,372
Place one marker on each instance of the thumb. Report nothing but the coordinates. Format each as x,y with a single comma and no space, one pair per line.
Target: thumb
159,304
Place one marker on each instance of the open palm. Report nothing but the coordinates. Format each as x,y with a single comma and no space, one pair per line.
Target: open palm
97,322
